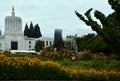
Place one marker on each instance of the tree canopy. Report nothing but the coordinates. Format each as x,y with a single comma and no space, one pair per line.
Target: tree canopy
26,30
37,32
31,31
93,42
109,29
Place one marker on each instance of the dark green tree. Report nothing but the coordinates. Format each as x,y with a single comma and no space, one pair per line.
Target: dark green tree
37,32
93,42
58,40
31,31
26,30
115,5
109,29
39,45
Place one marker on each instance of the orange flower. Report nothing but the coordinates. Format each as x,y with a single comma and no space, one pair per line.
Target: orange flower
46,55
63,55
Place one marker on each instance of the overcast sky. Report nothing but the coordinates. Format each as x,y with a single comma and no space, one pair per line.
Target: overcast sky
53,14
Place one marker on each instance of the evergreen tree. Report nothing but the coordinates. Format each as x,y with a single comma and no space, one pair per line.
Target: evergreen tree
37,32
93,42
26,30
58,40
31,31
115,5
110,28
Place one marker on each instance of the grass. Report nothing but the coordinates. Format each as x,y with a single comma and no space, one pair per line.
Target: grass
87,64
28,66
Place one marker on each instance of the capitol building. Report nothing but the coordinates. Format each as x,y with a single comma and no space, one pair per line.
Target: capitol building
13,37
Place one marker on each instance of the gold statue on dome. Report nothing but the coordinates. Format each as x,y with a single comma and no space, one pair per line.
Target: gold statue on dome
13,9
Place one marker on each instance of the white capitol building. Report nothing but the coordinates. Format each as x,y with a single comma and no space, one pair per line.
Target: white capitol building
14,39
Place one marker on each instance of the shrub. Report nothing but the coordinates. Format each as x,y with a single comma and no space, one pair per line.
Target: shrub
30,68
86,56
35,69
39,45
49,49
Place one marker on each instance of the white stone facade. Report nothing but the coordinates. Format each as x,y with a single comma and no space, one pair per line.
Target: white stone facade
47,41
13,38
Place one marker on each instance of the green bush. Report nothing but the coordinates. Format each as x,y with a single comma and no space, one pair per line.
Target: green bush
86,56
49,49
93,42
39,45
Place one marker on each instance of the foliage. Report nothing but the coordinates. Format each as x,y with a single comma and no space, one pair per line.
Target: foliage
93,42
64,53
99,61
37,32
86,56
48,49
109,29
35,69
58,40
28,69
39,45
33,32
26,30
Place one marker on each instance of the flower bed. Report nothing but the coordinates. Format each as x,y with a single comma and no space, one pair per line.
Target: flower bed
35,69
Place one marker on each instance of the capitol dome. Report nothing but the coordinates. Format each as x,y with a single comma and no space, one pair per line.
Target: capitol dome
13,24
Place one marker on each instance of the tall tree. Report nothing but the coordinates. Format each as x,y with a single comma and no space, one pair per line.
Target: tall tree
37,32
58,40
31,30
115,5
26,30
110,28
93,42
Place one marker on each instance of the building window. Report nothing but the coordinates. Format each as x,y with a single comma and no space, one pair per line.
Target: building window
46,43
50,42
29,46
29,42
43,43
0,45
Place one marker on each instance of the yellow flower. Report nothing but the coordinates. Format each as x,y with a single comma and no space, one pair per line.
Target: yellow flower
80,72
